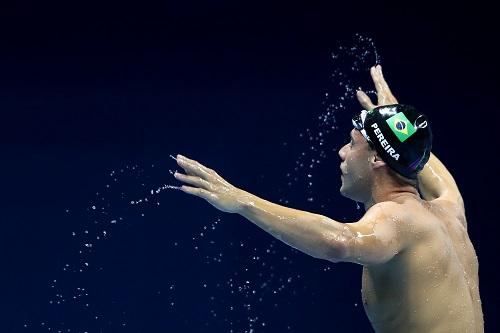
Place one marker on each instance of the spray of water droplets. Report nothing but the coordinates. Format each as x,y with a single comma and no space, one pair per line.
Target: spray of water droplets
110,210
250,281
350,68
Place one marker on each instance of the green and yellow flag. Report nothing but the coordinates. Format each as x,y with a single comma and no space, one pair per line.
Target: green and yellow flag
401,126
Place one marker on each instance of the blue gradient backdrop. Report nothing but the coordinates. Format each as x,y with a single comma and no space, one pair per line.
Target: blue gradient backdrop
90,87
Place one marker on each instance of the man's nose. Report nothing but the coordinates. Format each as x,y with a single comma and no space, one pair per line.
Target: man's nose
342,152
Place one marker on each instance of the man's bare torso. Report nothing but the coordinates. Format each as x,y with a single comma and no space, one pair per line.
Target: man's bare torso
432,286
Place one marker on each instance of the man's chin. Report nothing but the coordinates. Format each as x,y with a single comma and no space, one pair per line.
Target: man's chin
342,190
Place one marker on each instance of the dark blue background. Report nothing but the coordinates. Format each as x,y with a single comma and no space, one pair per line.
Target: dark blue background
90,87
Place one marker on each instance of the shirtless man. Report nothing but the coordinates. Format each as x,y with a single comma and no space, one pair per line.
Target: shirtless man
420,270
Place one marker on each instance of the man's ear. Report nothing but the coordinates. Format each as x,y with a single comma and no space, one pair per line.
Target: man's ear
376,161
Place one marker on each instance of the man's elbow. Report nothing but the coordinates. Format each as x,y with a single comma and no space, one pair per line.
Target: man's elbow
341,252
336,252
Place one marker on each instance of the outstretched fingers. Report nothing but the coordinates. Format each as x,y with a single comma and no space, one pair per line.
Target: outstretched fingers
194,168
384,93
193,180
199,192
364,100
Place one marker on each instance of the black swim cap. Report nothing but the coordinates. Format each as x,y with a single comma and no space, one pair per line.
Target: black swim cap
400,134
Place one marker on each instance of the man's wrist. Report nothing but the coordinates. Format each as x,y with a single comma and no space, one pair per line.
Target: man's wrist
245,201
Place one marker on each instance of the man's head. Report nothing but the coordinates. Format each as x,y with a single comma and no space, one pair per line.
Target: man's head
394,138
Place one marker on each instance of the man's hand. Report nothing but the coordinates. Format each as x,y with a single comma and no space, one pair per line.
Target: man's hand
209,186
384,94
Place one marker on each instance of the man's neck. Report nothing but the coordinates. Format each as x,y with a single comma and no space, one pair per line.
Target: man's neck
390,190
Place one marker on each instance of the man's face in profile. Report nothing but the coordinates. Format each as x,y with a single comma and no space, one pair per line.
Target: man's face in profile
355,167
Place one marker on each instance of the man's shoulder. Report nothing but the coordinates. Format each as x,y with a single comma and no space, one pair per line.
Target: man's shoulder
394,209
410,215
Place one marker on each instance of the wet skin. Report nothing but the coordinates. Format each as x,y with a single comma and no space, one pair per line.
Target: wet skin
431,282
430,285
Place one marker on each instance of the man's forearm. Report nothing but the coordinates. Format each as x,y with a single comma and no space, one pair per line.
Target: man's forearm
310,233
434,179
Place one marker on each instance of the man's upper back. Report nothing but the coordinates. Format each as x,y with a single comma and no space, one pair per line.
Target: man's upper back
432,285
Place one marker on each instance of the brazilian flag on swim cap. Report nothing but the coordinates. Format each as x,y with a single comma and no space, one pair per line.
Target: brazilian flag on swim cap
401,126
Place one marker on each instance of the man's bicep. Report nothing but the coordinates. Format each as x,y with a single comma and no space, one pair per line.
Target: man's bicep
376,238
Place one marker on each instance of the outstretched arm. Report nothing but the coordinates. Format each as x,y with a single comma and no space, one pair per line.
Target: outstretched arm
373,239
308,232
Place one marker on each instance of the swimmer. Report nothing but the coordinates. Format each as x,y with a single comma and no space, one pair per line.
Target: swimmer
420,269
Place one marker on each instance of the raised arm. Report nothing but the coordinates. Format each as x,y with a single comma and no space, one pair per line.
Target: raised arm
435,181
437,184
